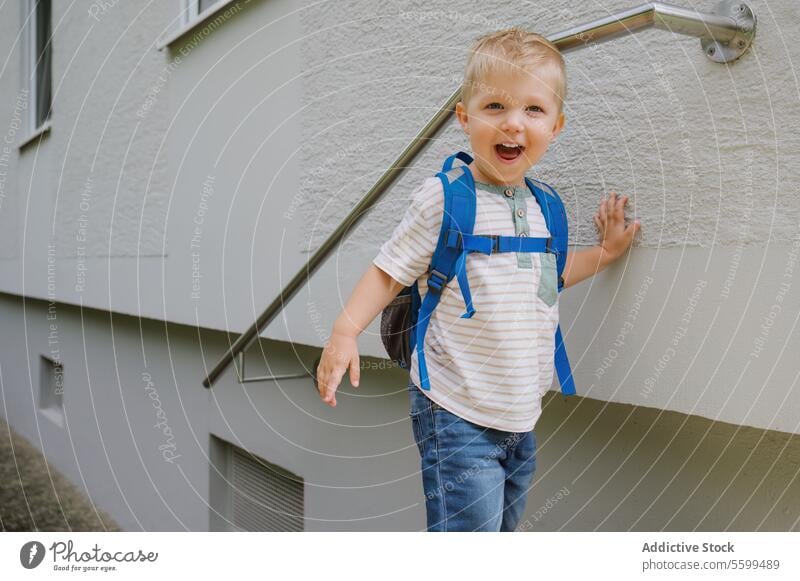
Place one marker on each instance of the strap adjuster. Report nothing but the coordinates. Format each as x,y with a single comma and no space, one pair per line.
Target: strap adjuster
455,239
495,238
436,281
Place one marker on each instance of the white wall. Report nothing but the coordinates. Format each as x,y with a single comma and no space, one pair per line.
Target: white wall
142,141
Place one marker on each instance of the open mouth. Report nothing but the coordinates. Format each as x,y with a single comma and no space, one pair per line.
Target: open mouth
508,153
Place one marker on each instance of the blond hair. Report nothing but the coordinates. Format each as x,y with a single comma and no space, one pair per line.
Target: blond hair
514,51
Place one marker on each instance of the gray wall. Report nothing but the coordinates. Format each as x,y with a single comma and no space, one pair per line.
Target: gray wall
203,176
600,466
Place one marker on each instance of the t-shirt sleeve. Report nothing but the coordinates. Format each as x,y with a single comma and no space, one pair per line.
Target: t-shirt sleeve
408,252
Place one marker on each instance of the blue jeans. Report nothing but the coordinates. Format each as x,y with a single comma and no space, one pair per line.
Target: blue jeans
474,478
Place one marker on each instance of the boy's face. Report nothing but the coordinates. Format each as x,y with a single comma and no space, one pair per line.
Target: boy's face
508,109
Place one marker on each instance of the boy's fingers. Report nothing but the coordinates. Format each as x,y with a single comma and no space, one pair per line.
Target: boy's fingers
330,398
333,382
321,377
613,212
619,208
330,394
355,371
632,229
320,383
325,379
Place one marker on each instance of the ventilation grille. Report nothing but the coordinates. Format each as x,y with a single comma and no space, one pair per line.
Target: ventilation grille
264,496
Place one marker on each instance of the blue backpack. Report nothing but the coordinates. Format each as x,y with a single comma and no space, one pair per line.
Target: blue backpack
404,321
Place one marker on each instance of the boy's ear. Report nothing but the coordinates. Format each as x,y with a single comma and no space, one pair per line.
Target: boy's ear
559,125
461,114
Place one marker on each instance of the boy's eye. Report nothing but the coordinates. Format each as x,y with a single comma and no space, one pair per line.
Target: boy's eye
534,108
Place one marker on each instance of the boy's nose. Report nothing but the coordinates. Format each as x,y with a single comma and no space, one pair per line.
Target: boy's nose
511,122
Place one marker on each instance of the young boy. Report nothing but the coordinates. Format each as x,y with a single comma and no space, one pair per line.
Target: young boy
488,373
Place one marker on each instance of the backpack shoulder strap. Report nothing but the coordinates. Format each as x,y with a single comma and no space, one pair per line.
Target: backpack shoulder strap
448,163
458,214
555,217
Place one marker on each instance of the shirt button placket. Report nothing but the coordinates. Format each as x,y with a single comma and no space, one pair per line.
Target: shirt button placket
521,226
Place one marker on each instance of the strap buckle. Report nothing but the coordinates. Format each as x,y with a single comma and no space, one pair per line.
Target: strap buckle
495,238
458,242
436,280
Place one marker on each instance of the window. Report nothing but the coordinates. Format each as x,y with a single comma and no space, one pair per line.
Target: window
51,390
196,13
38,62
194,8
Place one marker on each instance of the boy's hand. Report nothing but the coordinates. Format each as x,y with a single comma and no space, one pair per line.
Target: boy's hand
615,238
340,352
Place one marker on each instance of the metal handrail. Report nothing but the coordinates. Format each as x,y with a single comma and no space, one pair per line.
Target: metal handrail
725,35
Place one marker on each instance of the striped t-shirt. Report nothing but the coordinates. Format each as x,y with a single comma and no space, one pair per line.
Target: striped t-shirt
493,368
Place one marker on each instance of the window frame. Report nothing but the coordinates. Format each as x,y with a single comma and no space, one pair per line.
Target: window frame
30,78
191,10
191,18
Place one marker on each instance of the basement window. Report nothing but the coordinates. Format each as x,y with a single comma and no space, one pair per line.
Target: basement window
51,390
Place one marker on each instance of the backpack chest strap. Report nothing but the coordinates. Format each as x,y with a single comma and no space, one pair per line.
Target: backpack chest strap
492,243
465,243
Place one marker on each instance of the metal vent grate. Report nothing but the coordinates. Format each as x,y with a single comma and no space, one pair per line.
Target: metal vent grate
264,496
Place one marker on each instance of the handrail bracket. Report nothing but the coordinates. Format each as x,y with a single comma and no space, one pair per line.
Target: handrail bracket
745,20
240,375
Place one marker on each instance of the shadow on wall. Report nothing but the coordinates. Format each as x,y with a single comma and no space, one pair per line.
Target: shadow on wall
618,467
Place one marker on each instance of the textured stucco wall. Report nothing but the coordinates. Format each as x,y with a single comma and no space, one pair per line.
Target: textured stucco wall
700,316
706,152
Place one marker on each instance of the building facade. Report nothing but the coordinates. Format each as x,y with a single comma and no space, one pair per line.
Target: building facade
167,168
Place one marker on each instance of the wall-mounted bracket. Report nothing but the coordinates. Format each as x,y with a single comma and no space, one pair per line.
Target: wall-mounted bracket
730,51
240,376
